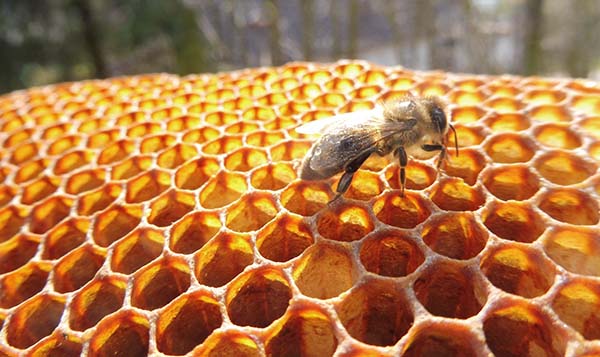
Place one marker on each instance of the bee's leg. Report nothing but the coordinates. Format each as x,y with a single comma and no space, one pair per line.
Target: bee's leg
346,178
401,153
439,148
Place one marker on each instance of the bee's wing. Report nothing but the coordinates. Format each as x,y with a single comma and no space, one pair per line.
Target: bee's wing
322,125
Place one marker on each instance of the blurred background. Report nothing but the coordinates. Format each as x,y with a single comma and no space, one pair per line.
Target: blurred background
63,40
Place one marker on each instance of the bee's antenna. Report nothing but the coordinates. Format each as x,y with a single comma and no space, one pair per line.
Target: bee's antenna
455,138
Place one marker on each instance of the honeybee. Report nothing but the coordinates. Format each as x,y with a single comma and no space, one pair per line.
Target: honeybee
409,126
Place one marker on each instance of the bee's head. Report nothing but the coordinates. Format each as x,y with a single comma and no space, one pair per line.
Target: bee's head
439,119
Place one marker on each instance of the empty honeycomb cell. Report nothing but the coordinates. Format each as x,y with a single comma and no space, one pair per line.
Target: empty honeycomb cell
469,83
418,176
116,152
340,84
98,200
557,136
228,343
200,135
576,249
469,136
467,114
306,91
223,145
184,122
77,268
136,250
365,92
499,122
245,159
237,103
550,113
316,76
58,344
203,107
49,213
258,297
159,283
401,82
453,194
193,231
349,69
516,221
264,138
72,161
85,181
588,104
578,304
285,84
187,322
12,124
344,222
195,173
221,118
274,176
147,186
284,238
56,131
130,167
156,143
39,189
465,98
114,223
449,290
505,105
100,298
433,88
376,313
125,333
455,235
391,253
467,165
518,270
564,168
288,151
517,328
23,283
24,153
511,182
304,330
91,126
406,211
18,137
34,320
570,206
365,185
273,99
222,258
65,237
510,148
63,144
441,339
222,189
324,271
170,207
103,138
30,170
242,127
591,126
221,94
12,219
175,156
306,197
251,212
330,100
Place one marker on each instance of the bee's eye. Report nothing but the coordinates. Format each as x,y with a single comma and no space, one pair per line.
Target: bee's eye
439,119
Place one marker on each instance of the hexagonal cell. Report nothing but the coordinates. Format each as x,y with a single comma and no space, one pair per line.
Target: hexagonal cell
557,136
187,322
468,135
455,235
125,333
518,270
590,126
101,139
453,194
98,200
588,104
505,105
306,91
404,212
159,283
517,221
34,320
467,165
223,144
65,237
175,156
222,189
564,168
401,82
228,343
17,251
508,122
577,303
550,113
265,138
258,297
324,271
30,170
136,250
345,222
85,181
183,123
467,98
200,135
49,213
131,167
517,328
503,89
365,185
467,114
154,144
251,212
7,193
510,148
290,150
147,186
17,138
39,189
376,313
245,159
116,152
284,238
570,206
72,161
24,153
63,144
58,344
418,176
114,223
442,339
78,267
349,69
273,176
193,231
391,253
100,298
594,151
259,113
449,290
23,283
511,182
305,330
576,249
169,207
222,258
194,174
306,197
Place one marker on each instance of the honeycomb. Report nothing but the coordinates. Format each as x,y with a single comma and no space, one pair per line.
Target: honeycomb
163,215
